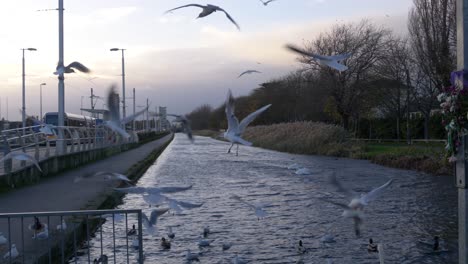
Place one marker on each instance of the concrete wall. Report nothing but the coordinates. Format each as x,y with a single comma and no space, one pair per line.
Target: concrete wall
53,165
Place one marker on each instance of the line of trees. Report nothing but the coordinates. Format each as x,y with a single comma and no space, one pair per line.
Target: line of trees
389,77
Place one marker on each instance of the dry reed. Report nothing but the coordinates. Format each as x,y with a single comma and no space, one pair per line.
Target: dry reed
303,138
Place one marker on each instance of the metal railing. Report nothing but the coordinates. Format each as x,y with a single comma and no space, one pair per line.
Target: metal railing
70,242
381,140
41,146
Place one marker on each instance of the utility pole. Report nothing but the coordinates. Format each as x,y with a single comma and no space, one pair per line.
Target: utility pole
61,84
134,100
461,164
92,104
147,115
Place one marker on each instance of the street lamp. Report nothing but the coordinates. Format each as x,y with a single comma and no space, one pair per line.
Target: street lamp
40,99
123,81
24,91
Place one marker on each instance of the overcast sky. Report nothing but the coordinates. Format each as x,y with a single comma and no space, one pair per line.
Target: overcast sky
174,60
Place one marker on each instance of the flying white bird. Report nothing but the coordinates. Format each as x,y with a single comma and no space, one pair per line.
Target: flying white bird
303,171
204,242
248,72
106,175
12,253
189,256
44,234
61,68
185,125
238,260
170,233
356,206
21,156
236,129
258,208
115,123
150,224
265,3
46,129
62,226
135,243
294,166
207,10
226,246
381,253
3,239
117,217
330,61
154,190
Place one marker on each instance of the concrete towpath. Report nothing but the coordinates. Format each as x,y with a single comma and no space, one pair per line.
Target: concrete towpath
60,193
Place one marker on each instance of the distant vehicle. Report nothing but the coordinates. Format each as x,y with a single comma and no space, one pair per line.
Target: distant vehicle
72,120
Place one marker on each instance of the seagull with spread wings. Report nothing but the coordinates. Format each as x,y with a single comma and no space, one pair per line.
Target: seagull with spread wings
330,61
248,72
17,155
207,10
185,125
150,224
115,123
70,68
106,175
236,129
265,3
258,208
356,206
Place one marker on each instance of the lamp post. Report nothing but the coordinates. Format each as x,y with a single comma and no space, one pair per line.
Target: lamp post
123,80
24,91
40,99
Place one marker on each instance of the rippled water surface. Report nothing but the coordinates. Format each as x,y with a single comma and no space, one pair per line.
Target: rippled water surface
404,219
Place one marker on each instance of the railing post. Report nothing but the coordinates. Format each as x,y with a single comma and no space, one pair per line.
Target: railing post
72,139
7,164
36,146
47,151
21,142
140,237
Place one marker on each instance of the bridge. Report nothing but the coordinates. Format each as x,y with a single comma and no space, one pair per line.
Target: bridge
52,196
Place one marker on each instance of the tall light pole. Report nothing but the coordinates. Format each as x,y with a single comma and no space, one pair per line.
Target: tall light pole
123,80
40,99
134,100
24,91
61,83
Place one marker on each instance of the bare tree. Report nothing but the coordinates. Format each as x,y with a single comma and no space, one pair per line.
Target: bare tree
398,68
349,88
432,27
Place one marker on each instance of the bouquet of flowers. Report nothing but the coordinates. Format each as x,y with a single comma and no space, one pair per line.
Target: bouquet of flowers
454,104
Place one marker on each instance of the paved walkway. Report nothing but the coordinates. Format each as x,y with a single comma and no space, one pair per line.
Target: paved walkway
61,193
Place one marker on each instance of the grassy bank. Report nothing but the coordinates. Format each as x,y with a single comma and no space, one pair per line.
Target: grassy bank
314,138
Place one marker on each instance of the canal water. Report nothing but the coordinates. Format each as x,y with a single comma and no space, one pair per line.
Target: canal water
404,219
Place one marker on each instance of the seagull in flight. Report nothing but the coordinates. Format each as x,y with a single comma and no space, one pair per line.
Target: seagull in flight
356,206
70,68
207,10
330,61
17,155
236,129
258,208
115,123
265,3
106,175
248,72
185,124
150,224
